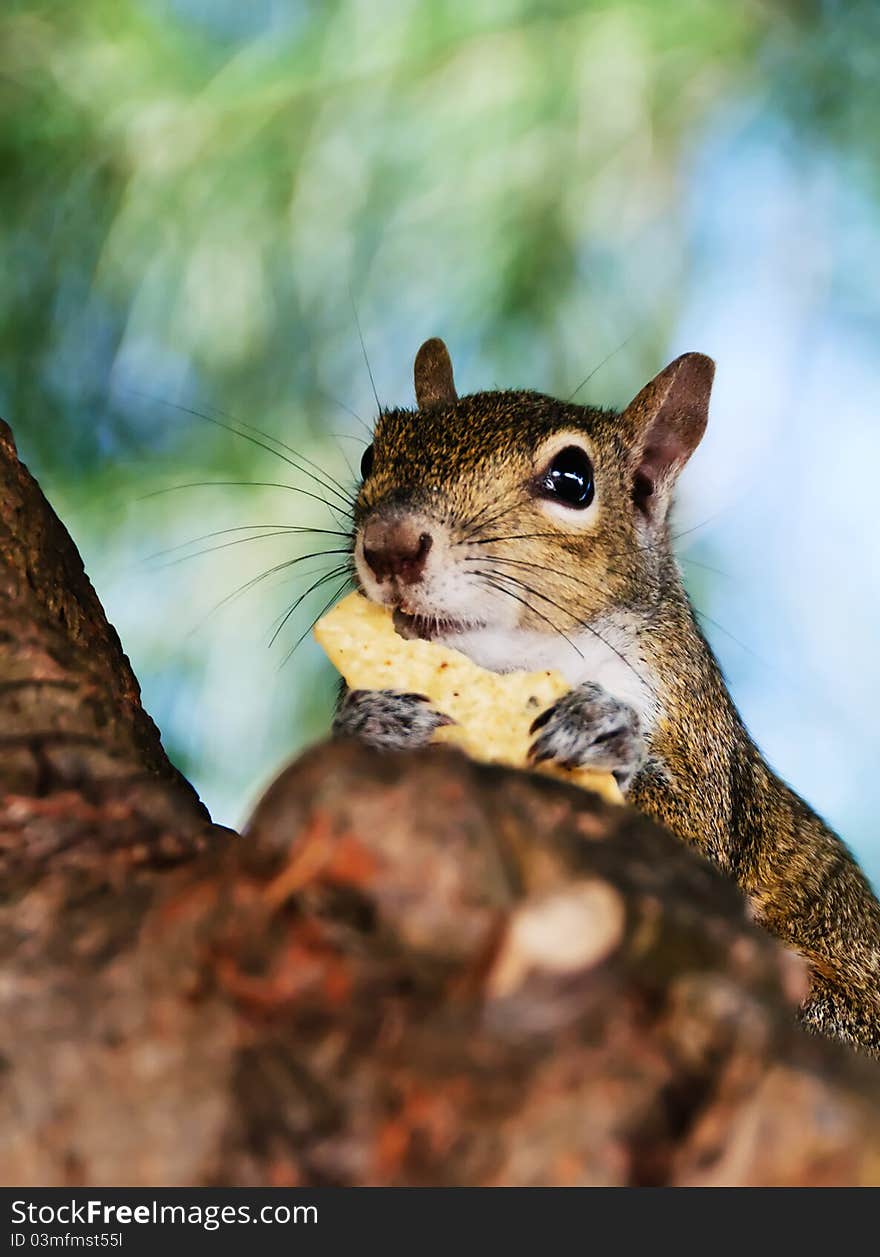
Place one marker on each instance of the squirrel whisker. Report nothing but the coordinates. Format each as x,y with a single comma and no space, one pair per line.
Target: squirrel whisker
487,577
248,484
316,473
256,580
322,580
584,625
220,532
225,545
326,607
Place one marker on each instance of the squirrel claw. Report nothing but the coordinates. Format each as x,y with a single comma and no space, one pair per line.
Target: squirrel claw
540,721
589,728
389,720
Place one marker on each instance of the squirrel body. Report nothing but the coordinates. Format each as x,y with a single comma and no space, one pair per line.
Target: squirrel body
533,533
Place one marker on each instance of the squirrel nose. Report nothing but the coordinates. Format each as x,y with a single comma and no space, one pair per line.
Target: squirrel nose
396,549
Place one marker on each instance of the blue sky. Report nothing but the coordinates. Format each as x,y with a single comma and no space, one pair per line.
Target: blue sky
784,296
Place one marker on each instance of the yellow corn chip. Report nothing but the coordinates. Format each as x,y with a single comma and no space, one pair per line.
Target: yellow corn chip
492,711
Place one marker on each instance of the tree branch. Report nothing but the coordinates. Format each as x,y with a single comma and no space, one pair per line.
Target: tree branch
410,970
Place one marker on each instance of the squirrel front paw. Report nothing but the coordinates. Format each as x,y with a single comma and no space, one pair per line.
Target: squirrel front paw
588,728
390,720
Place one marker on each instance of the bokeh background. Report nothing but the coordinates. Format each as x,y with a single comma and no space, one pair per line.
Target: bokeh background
200,200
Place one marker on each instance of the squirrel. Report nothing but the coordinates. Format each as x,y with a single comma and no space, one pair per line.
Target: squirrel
531,533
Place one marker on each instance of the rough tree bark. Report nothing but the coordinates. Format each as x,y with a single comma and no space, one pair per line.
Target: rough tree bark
408,970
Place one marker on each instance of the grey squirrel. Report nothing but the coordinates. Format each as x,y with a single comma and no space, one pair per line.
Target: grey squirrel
533,533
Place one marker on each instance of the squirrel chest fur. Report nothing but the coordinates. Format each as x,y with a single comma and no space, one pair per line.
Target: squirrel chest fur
532,533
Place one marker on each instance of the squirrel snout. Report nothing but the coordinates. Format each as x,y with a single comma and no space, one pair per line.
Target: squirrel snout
396,549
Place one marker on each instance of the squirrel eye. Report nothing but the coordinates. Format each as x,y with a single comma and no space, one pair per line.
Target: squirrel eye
366,462
569,478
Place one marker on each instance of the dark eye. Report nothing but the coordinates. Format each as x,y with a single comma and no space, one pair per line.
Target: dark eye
366,462
569,478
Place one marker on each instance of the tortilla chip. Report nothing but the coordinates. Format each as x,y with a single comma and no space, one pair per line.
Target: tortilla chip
492,711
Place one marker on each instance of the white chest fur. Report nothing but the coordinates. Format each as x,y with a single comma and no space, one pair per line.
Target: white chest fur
609,655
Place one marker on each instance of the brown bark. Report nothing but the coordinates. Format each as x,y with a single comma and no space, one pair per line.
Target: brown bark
408,970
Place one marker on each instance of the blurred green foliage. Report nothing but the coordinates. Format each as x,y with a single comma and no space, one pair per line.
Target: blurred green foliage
196,195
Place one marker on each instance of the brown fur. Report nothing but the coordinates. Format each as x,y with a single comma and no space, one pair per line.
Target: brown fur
470,463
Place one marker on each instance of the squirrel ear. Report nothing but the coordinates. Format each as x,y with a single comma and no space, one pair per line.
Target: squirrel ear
435,384
664,424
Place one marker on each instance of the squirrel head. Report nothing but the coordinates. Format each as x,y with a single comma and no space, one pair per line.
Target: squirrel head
512,510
